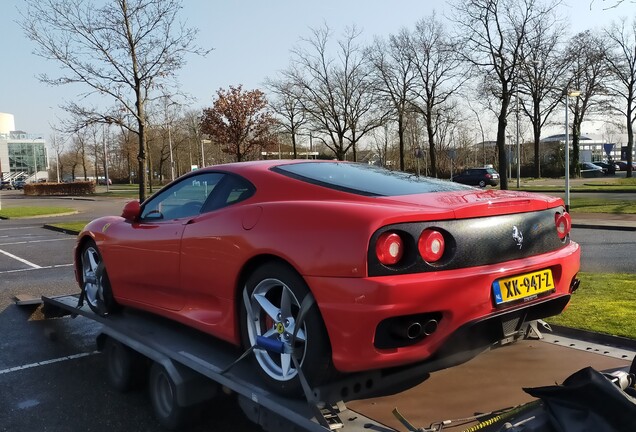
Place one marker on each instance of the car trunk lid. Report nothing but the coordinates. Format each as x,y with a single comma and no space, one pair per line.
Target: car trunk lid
478,203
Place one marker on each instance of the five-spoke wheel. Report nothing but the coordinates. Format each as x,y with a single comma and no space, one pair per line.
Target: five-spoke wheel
95,283
272,303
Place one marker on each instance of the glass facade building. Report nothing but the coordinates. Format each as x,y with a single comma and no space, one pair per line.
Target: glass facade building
23,156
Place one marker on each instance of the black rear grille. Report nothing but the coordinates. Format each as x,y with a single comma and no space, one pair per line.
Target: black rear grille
474,242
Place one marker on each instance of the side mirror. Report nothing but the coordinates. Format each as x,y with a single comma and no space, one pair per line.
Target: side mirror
131,211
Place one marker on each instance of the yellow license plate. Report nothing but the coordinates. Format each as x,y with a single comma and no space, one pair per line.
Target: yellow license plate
526,286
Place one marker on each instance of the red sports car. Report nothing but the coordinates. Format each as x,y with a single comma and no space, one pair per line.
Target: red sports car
391,269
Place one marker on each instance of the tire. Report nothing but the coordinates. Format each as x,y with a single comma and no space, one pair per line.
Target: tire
267,288
95,283
163,396
482,183
125,367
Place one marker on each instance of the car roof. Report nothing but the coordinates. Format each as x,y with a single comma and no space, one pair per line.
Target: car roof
336,176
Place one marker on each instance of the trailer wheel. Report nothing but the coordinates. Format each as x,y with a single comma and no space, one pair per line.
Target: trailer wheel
163,395
275,293
124,366
95,283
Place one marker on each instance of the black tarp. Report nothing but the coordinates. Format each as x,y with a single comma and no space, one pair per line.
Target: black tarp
588,401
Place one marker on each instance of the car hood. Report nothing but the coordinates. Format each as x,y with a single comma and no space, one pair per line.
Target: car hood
477,203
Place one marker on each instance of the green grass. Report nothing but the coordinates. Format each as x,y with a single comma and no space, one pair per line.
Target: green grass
69,226
591,205
592,185
21,212
604,303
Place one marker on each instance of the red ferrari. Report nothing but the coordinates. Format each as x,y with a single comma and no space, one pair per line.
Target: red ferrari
387,268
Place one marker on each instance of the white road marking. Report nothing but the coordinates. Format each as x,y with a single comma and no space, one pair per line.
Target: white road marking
37,268
46,362
22,260
37,241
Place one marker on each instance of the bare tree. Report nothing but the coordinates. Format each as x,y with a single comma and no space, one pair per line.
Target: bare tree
611,4
440,72
542,76
394,74
191,123
336,92
288,108
79,148
621,59
125,49
589,77
492,33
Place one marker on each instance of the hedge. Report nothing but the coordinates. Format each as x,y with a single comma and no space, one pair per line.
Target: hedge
57,189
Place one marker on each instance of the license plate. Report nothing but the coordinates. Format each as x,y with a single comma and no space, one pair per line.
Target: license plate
526,286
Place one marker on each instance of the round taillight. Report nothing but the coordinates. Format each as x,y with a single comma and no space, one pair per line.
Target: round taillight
563,223
389,248
431,245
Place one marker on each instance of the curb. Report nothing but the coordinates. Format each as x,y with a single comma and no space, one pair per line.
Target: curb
62,230
604,227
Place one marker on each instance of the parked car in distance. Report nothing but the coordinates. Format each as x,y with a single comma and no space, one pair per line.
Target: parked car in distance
609,168
481,177
622,165
5,184
589,170
345,266
19,184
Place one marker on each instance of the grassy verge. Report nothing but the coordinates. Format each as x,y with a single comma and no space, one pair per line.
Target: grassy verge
591,205
605,303
21,212
592,185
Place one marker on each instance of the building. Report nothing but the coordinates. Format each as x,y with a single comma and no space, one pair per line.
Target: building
23,156
590,149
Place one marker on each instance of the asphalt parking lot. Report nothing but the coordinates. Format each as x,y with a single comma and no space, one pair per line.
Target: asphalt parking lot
53,380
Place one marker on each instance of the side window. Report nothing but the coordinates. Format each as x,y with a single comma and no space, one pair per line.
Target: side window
233,189
183,199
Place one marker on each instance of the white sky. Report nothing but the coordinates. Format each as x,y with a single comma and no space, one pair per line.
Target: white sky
251,41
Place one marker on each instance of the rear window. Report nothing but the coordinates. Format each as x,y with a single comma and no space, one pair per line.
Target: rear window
365,179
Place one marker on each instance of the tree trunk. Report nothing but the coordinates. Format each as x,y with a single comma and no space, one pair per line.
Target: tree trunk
630,141
502,122
293,137
401,141
431,145
141,156
576,138
536,129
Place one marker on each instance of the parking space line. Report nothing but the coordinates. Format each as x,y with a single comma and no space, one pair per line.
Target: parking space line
37,241
36,268
21,228
22,260
46,362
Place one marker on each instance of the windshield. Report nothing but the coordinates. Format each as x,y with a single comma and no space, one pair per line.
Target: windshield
365,179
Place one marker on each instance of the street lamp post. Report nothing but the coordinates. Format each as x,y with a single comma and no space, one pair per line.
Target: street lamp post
57,158
518,145
568,94
106,177
171,158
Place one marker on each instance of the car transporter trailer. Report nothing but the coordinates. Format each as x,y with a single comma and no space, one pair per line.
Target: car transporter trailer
186,368
181,356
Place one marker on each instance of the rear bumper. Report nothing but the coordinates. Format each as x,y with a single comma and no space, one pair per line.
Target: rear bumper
353,308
